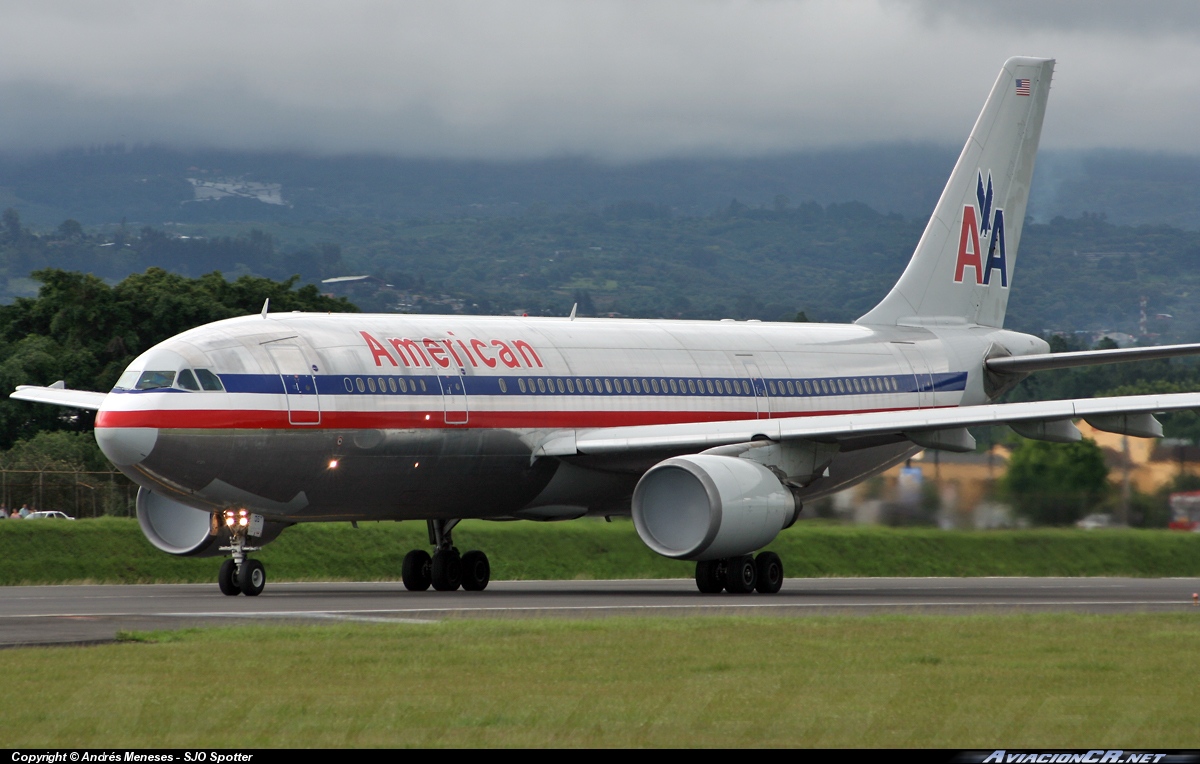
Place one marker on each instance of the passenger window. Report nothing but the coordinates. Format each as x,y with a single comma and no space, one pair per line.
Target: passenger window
403,385
422,386
392,384
608,385
771,387
637,388
541,383
589,385
359,383
187,381
346,381
625,384
371,383
674,387
558,383
570,384
521,384
503,387
155,380
692,386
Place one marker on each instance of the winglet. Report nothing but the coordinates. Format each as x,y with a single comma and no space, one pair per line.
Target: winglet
573,308
266,304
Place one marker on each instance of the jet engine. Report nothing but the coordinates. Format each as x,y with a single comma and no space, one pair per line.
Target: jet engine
178,529
707,507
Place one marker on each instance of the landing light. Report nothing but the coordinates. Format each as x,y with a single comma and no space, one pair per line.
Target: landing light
333,463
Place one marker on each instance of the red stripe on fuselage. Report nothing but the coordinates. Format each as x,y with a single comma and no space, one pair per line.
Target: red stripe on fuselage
232,419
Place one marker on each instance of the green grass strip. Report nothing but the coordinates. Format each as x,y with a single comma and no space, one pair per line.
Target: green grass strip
113,550
1046,681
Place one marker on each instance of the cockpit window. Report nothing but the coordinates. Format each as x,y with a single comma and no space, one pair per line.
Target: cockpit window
208,380
154,380
187,381
127,380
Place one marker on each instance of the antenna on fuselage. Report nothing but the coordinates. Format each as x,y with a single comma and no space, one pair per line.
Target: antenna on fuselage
573,307
266,304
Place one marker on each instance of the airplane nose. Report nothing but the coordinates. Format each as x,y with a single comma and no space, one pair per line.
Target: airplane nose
126,446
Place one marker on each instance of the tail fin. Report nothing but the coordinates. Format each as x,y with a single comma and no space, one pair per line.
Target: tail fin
963,265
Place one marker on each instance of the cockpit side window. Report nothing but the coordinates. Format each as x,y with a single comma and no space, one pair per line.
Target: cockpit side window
208,380
127,380
155,380
187,381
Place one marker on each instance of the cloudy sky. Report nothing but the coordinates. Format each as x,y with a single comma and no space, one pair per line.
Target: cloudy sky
611,79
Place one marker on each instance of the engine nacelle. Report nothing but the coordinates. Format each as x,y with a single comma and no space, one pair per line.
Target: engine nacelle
706,507
178,529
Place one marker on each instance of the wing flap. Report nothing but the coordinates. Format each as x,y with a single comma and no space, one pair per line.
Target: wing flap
703,435
60,396
1023,364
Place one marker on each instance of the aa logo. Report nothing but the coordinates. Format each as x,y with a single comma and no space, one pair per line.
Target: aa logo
980,222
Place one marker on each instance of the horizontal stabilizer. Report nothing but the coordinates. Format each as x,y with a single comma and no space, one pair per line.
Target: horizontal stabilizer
58,395
1044,361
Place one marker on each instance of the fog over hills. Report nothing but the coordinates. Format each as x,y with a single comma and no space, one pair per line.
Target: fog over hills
155,185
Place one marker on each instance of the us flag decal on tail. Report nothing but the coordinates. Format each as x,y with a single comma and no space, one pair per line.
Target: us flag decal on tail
1023,87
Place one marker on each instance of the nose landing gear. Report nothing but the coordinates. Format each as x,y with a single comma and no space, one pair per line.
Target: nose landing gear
446,570
239,574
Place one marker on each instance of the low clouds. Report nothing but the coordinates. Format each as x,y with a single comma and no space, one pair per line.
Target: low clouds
613,80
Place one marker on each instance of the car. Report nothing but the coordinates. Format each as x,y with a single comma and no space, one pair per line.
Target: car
49,515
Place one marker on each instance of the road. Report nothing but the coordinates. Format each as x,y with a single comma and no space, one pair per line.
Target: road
42,615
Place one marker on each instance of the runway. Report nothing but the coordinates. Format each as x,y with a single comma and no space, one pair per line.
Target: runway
45,615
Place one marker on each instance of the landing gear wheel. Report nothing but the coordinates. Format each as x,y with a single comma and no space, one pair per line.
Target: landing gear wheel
769,568
227,579
476,571
709,577
740,575
417,570
447,570
251,578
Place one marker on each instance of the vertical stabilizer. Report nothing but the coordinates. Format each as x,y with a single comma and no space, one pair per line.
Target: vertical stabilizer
962,268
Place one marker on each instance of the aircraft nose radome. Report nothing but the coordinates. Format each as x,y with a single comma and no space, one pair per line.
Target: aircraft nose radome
126,446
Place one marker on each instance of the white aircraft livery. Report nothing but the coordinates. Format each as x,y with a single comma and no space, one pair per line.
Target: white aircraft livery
711,434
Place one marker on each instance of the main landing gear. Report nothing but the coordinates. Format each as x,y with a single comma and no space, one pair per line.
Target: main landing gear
446,570
741,575
240,574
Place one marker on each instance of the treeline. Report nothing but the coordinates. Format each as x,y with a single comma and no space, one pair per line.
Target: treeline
85,332
116,254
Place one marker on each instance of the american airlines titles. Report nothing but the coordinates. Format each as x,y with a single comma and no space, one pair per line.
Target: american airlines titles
452,351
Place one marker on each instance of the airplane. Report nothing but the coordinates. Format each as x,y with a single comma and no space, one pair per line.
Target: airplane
711,434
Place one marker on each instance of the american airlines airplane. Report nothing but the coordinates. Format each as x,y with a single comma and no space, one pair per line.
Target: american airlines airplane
711,434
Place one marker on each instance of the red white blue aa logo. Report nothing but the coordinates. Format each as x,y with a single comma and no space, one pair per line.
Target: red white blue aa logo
981,222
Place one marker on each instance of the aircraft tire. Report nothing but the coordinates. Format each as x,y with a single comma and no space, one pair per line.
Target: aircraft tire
417,570
740,575
708,577
476,571
252,578
227,579
447,570
769,569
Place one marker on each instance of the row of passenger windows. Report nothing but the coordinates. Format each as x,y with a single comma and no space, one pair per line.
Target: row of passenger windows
386,384
673,386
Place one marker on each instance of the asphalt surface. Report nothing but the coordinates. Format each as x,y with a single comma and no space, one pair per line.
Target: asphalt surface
44,615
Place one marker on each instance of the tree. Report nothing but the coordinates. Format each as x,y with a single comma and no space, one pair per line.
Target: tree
1055,483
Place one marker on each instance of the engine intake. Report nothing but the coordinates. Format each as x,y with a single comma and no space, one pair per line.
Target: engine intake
706,507
178,529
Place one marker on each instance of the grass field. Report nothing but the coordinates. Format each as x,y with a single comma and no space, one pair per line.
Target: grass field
1056,681
114,551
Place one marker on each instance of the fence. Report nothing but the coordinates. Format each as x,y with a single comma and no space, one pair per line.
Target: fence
78,493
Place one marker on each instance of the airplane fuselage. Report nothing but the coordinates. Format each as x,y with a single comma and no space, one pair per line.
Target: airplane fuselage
340,417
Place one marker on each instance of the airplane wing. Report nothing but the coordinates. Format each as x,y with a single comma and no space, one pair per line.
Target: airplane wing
1047,420
58,395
